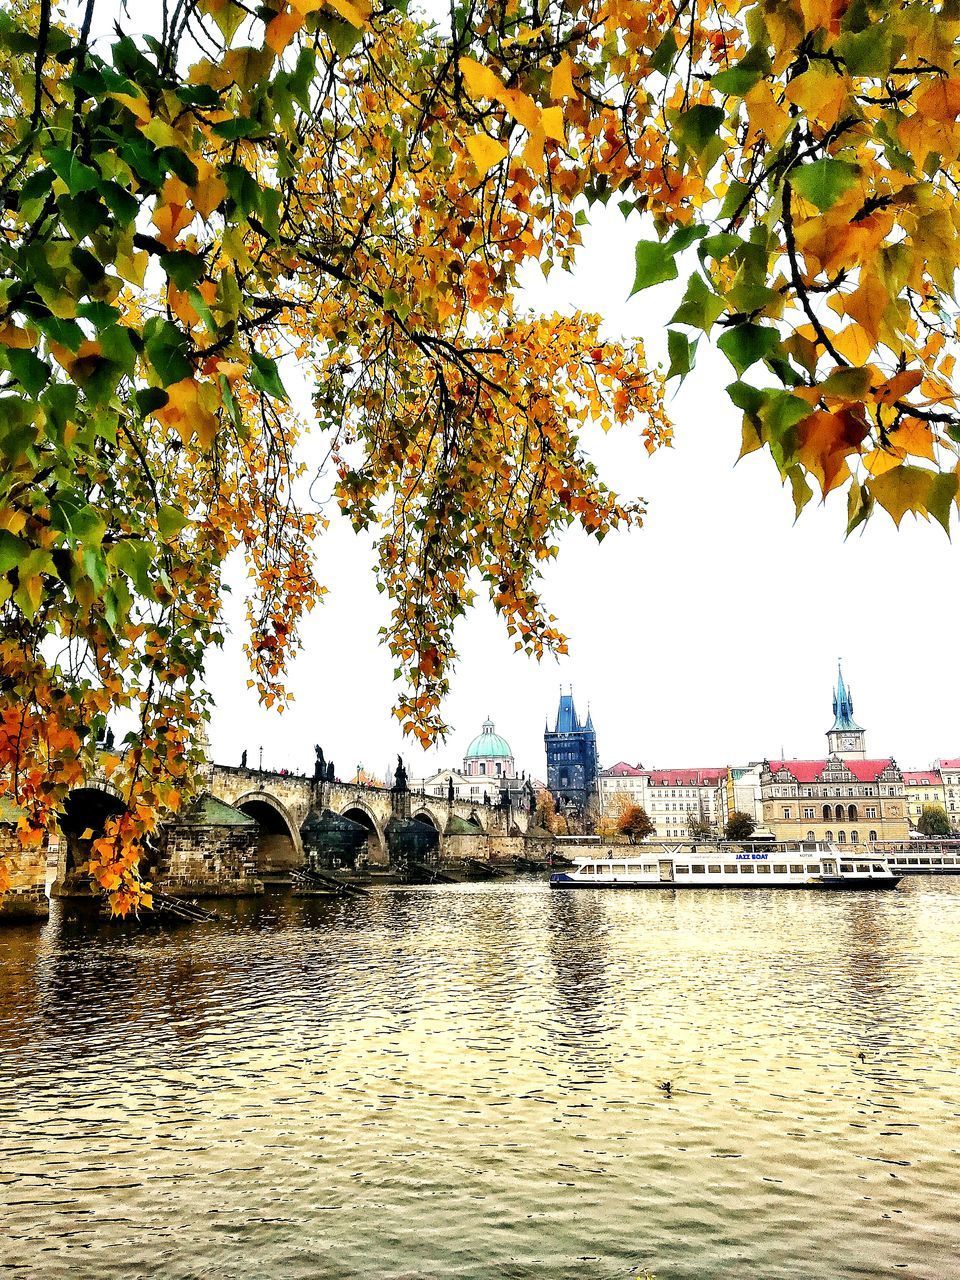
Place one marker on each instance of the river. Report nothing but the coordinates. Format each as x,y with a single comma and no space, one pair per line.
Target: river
465,1081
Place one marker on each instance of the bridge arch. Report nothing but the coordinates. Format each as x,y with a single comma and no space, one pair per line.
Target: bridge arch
357,811
280,848
86,809
423,814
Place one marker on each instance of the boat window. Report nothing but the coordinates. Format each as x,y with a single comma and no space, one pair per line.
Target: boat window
813,868
846,867
619,869
697,868
714,869
730,869
587,871
746,870
913,862
924,862
949,862
796,869
649,866
780,868
877,866
863,866
763,869
681,871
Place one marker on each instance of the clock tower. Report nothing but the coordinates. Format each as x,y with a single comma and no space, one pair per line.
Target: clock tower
845,739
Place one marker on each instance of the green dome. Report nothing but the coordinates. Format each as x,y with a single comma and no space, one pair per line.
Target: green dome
488,744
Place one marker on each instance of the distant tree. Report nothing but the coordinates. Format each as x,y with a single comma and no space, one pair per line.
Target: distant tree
740,826
635,822
547,817
699,828
934,821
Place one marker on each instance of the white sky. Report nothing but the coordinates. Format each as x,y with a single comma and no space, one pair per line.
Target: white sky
710,636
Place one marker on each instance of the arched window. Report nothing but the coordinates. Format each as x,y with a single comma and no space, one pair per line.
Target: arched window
841,837
854,837
483,768
852,814
829,836
873,835
827,814
810,837
498,770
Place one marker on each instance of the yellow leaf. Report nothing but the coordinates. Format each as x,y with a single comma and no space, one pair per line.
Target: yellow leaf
282,29
820,92
561,79
902,489
914,436
552,121
11,335
533,156
880,460
853,343
480,80
138,105
356,14
485,152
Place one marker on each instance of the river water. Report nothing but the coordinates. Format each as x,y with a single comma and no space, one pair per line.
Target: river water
464,1082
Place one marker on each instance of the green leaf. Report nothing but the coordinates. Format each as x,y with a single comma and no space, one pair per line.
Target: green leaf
135,559
700,306
654,264
695,128
665,55
166,346
76,176
682,352
170,520
868,52
745,344
29,370
185,269
238,127
265,378
12,550
824,182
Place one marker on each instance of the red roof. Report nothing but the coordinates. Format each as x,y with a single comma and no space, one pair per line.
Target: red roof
685,777
811,770
922,777
623,770
949,764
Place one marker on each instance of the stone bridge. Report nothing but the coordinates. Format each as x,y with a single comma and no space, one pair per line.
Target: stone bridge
280,803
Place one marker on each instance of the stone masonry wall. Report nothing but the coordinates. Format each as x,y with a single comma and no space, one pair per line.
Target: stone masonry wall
209,860
27,868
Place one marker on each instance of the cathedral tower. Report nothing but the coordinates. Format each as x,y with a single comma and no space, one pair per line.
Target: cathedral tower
572,762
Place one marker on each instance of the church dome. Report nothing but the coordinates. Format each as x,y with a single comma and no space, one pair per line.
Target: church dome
488,745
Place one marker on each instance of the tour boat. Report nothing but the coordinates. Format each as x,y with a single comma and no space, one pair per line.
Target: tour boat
913,862
729,866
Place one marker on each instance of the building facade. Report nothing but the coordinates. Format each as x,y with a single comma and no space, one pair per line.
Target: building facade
572,762
922,787
673,798
489,755
950,777
488,774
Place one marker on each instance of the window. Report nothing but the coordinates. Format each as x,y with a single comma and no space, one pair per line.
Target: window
873,835
618,869
854,837
714,869
563,774
852,814
878,866
786,812
863,866
846,867
841,837
871,810
697,869
780,868
746,869
730,869
813,868
827,814
829,836
810,837
808,813
796,869
763,869
681,871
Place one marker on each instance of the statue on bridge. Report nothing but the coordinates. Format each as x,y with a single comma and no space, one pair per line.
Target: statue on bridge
330,773
450,791
400,777
319,764
243,758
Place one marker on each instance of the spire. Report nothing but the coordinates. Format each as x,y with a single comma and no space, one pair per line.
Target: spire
589,724
842,704
567,721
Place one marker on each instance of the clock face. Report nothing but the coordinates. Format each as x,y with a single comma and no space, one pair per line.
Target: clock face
848,742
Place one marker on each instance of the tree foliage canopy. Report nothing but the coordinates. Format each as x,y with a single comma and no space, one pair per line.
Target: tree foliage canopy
349,185
740,826
934,821
635,822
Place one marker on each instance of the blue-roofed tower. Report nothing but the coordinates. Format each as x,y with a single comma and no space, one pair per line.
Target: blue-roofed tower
572,762
845,738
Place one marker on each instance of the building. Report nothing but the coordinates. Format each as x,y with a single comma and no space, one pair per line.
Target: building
488,771
922,787
572,762
621,784
844,798
677,797
672,797
950,777
489,755
740,793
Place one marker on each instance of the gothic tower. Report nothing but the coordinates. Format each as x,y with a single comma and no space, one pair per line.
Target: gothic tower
572,762
845,739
